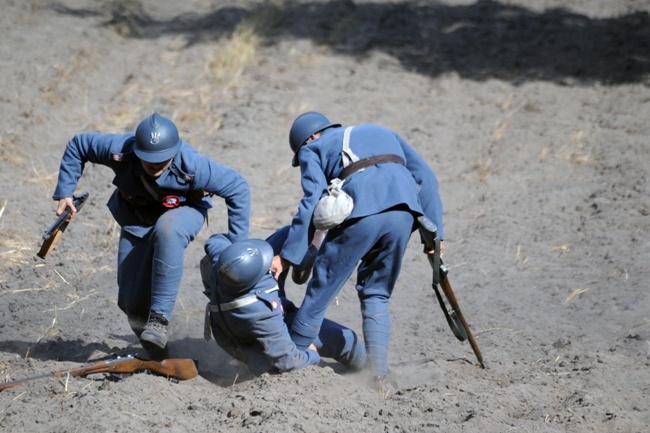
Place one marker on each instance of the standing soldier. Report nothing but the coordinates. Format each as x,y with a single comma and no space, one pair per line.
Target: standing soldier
395,188
161,203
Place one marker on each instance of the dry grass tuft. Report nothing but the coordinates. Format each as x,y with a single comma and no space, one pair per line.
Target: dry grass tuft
50,331
583,159
508,110
75,298
575,293
226,66
41,177
580,153
575,151
484,165
564,248
14,251
519,257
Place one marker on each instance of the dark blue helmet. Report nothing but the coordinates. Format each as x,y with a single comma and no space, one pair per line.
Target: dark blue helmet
156,139
242,264
303,127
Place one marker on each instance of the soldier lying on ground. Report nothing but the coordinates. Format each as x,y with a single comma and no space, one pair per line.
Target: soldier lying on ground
249,313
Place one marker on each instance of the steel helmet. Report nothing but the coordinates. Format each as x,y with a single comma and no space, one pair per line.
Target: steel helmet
303,127
156,139
242,264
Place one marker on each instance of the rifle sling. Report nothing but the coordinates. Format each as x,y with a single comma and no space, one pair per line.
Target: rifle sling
149,189
369,161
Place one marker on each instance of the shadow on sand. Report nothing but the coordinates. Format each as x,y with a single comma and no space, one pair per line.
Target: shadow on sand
214,365
481,41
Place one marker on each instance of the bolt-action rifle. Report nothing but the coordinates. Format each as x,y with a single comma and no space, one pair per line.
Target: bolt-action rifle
181,369
54,233
454,316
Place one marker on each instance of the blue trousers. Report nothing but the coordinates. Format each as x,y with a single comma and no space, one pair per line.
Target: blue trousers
333,340
376,244
150,267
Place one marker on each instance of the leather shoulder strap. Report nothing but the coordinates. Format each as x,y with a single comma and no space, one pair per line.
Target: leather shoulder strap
367,162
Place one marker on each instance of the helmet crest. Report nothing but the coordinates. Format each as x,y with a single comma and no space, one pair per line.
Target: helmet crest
241,265
156,139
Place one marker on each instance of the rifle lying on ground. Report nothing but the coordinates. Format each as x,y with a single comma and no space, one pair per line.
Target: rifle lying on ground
454,317
53,234
181,369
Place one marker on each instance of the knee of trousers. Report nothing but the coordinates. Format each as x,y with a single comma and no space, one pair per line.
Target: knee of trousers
165,270
178,228
170,239
303,334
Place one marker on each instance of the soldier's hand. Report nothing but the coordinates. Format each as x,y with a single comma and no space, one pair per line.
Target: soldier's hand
442,248
65,203
278,265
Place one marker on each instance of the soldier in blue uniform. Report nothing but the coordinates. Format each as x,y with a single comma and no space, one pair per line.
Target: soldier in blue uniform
161,201
249,312
388,197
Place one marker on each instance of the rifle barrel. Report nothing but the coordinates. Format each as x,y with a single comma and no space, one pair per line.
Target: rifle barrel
57,224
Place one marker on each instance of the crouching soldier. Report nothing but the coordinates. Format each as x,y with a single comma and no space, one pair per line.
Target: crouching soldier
249,314
161,202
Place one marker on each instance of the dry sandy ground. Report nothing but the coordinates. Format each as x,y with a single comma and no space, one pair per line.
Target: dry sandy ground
533,113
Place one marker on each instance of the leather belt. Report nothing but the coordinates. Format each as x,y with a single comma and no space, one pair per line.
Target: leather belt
367,162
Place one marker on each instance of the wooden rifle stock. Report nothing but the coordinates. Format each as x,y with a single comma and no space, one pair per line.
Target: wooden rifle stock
428,231
449,294
181,369
52,235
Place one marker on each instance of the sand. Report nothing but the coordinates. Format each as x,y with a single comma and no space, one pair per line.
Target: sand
533,114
